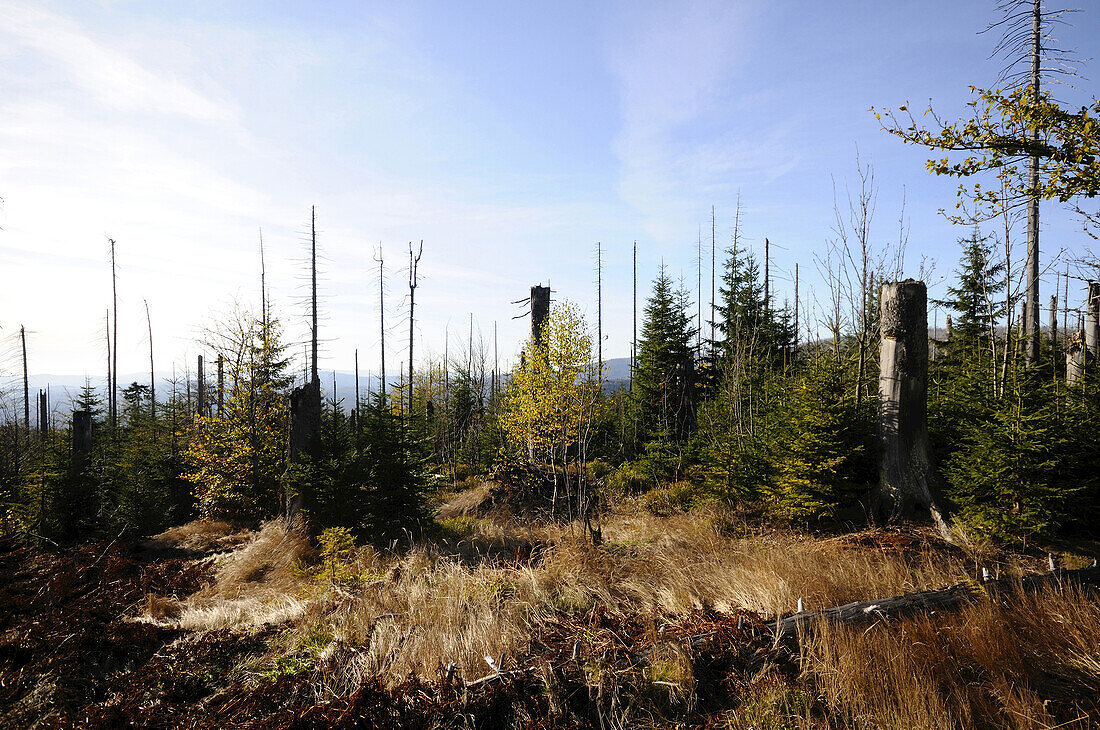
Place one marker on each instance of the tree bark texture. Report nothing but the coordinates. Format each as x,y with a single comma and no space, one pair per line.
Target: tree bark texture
540,309
907,482
305,424
1092,319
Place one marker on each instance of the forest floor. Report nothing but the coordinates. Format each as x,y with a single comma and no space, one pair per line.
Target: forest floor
497,622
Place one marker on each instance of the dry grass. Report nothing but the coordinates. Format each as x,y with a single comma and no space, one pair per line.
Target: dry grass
491,586
466,502
201,536
436,607
1025,661
263,582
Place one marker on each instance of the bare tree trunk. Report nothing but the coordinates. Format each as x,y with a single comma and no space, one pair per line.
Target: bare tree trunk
1075,358
1092,319
314,376
414,262
221,386
796,305
201,391
908,484
26,383
114,314
82,436
540,310
1031,313
1053,326
599,308
634,327
382,326
152,375
110,382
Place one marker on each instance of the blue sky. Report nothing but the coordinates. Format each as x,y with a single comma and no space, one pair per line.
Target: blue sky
510,137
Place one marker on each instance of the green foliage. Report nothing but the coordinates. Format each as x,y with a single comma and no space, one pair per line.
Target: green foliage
336,546
1003,132
664,404
1007,475
235,460
821,445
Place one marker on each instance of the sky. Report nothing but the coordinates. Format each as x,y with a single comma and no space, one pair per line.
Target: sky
510,138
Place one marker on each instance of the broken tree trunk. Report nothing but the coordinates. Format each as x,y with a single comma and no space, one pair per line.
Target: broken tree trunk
305,424
941,599
1092,319
540,310
907,485
202,388
1075,358
82,434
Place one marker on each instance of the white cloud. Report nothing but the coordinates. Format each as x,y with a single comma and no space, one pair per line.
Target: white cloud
116,81
682,144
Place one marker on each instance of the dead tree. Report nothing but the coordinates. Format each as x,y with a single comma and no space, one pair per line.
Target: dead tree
599,309
82,436
1076,353
381,325
152,375
305,424
907,482
540,310
315,377
26,383
201,389
1053,321
221,386
414,262
113,399
1092,319
634,309
43,414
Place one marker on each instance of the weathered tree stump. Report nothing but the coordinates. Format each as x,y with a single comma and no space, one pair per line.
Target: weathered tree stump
1092,319
82,434
540,309
305,425
1076,353
908,485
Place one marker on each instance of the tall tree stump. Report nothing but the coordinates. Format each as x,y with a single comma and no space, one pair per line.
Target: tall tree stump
540,309
908,486
82,434
1076,353
305,426
1092,319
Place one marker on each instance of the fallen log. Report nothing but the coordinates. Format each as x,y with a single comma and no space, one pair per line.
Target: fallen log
942,599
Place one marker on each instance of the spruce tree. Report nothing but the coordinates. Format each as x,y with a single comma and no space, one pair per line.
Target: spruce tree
664,375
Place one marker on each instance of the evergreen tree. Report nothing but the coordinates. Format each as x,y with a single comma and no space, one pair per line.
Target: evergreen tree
235,461
822,445
664,376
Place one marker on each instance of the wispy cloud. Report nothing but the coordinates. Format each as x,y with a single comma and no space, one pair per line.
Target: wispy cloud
93,66
681,139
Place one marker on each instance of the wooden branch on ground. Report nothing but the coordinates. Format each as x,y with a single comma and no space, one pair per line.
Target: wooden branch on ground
942,599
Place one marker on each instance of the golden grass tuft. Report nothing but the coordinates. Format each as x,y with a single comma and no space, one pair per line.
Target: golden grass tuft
263,582
1027,660
202,536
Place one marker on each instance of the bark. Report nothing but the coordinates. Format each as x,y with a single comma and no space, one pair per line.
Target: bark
1075,358
1092,319
908,485
202,388
82,434
305,424
540,310
942,599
